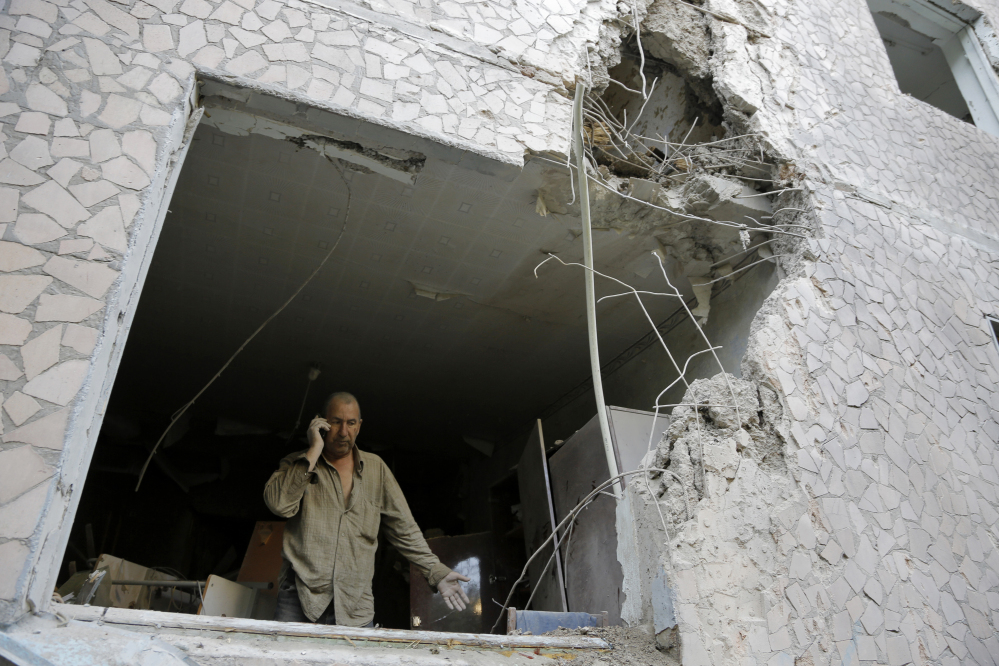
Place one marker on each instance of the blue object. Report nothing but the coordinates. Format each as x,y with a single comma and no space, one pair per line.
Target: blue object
541,622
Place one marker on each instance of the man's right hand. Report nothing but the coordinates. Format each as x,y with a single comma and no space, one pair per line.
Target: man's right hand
316,442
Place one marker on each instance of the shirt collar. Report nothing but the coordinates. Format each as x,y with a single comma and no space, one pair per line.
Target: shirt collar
358,461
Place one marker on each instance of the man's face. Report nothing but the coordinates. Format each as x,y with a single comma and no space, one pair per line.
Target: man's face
345,422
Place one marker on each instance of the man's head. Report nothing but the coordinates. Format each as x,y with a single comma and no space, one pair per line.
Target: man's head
343,413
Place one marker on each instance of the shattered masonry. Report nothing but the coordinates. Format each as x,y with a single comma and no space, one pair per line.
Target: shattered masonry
848,514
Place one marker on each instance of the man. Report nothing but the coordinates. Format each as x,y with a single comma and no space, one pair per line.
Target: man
335,498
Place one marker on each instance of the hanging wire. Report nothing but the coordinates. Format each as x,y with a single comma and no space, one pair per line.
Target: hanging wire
180,412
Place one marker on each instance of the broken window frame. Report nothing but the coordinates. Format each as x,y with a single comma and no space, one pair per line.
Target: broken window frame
243,106
957,30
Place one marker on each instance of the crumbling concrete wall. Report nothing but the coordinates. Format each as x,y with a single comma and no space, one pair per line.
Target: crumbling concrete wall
98,99
869,534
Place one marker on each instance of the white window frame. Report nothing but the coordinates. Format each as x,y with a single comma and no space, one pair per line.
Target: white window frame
956,29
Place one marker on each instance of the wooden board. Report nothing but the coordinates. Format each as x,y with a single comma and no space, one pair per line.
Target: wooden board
224,598
539,520
127,596
262,564
130,618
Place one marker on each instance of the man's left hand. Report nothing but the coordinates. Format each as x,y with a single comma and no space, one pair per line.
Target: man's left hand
452,592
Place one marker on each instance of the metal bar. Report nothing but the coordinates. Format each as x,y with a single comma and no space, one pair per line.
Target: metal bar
551,516
591,306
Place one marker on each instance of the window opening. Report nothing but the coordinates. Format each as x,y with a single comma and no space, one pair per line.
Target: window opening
430,314
937,58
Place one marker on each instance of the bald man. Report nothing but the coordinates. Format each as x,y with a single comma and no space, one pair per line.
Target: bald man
336,497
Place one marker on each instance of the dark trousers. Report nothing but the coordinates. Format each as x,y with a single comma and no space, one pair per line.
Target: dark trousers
289,607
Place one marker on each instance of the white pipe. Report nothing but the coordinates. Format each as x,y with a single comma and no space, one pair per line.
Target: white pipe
591,308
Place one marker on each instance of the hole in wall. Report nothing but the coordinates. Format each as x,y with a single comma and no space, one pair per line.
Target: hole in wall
506,349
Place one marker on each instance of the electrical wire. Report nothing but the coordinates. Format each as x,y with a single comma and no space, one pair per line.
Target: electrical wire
180,412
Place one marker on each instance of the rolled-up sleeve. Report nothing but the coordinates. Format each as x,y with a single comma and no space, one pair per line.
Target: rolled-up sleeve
284,490
402,532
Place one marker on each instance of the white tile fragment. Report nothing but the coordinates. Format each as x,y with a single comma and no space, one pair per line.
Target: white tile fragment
165,88
129,204
136,78
120,111
247,38
249,62
89,103
156,38
41,353
22,55
91,194
13,330
32,152
251,22
153,116
215,32
8,369
75,246
66,127
81,338
116,17
57,203
40,98
18,291
104,145
59,384
210,56
268,9
103,61
35,229
89,22
9,198
122,171
63,307
21,407
90,278
16,257
140,146
12,173
192,38
48,432
227,12
98,254
33,122
196,8
45,11
277,31
106,228
33,26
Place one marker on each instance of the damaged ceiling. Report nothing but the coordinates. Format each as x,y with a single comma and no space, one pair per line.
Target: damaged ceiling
428,309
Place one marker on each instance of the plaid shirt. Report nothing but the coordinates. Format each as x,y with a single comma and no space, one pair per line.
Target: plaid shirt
332,548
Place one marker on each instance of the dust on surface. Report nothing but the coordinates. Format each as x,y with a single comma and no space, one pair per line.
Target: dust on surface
632,646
